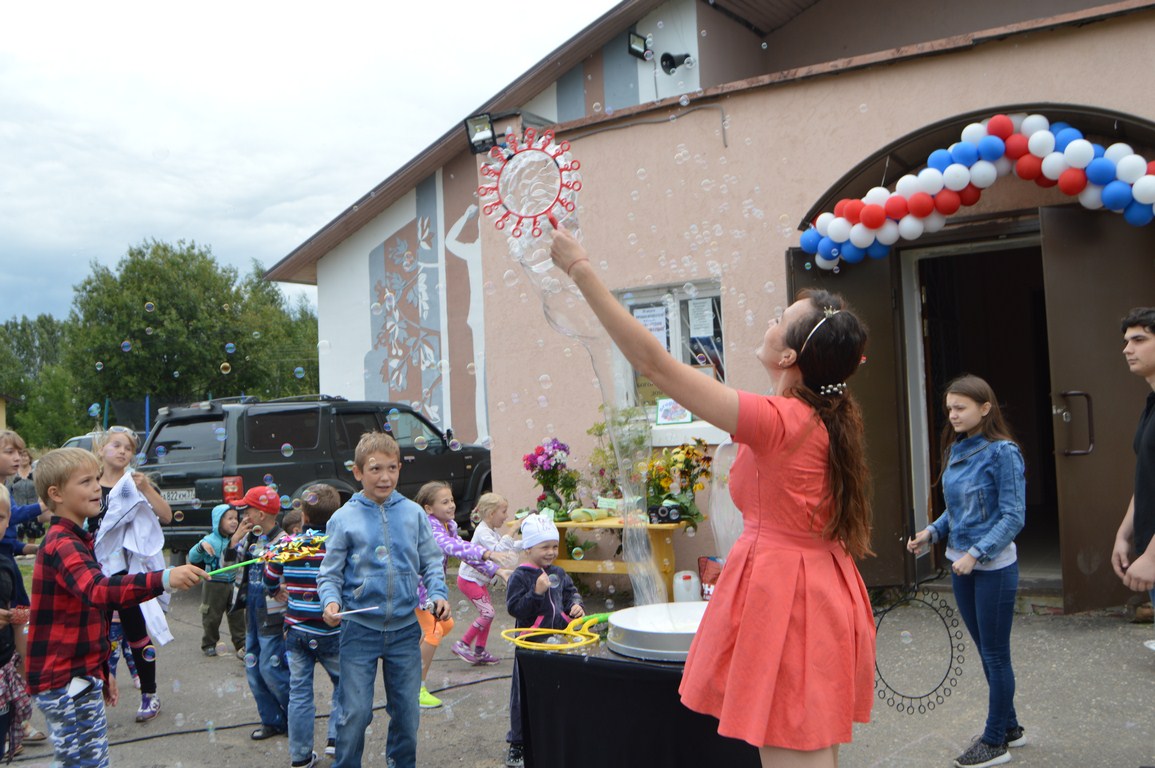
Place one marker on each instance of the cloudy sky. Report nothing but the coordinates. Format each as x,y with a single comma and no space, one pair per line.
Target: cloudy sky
244,126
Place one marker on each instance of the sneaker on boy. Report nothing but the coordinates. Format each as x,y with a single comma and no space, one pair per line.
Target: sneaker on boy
516,756
427,700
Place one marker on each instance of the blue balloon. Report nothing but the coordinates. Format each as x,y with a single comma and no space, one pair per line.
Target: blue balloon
809,240
939,159
965,153
877,250
1065,137
1059,126
851,253
826,248
1138,214
991,148
1099,149
1117,195
1101,171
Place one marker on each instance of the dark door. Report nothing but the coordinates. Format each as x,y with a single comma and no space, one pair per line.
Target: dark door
871,288
1096,267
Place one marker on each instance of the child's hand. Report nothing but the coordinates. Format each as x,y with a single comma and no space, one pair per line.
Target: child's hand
509,527
504,574
576,611
281,595
505,560
208,549
542,585
330,615
440,610
111,692
185,576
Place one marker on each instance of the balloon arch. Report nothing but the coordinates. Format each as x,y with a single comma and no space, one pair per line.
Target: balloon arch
1028,145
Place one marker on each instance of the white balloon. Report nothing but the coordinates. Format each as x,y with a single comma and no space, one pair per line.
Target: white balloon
1054,164
1004,165
930,181
822,263
984,173
838,230
1041,143
822,223
934,222
876,196
1130,168
1017,121
861,235
956,177
1033,124
907,185
1117,152
888,233
974,132
910,227
1092,197
1079,153
1143,189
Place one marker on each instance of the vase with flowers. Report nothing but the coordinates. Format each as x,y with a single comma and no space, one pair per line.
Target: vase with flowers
548,463
673,478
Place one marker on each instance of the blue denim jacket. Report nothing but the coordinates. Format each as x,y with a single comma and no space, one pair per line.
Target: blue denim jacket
985,488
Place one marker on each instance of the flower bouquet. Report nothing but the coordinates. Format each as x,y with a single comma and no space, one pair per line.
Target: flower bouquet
548,465
673,477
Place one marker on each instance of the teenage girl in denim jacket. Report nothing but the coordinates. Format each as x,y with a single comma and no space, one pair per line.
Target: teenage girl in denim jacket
984,486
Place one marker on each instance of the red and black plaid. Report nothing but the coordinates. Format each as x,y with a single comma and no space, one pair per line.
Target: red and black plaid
71,603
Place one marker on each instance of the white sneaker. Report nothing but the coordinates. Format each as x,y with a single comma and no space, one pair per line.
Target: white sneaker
1149,645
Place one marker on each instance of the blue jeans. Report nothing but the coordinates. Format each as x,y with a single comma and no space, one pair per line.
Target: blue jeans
265,665
305,652
986,601
400,655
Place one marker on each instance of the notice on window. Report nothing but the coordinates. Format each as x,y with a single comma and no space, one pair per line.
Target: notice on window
654,319
701,318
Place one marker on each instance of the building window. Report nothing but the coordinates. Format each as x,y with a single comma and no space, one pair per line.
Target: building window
687,319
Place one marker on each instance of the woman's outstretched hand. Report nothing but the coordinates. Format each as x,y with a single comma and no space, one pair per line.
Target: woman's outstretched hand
566,251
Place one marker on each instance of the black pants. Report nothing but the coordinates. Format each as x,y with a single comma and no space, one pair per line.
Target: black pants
136,635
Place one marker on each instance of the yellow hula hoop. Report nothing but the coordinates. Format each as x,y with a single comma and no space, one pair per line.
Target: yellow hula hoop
580,629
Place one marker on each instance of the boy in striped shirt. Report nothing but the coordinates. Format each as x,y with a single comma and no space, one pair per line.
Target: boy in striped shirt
308,639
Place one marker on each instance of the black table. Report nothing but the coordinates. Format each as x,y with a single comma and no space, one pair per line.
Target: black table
603,710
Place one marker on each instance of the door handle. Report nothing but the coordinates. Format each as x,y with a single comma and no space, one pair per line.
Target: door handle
1090,423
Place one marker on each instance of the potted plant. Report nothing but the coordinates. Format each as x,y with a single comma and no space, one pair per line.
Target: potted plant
673,477
548,463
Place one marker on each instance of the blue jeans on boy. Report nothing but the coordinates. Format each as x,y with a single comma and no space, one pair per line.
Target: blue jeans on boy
265,665
986,601
305,652
400,655
77,725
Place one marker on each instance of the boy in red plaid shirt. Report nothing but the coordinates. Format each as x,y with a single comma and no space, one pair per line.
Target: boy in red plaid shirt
72,600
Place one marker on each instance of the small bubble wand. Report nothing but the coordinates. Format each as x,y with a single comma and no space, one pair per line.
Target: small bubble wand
285,549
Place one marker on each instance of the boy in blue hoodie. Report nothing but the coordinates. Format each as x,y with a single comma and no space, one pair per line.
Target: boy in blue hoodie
377,545
216,550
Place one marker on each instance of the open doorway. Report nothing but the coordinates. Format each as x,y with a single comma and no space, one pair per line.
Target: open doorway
984,312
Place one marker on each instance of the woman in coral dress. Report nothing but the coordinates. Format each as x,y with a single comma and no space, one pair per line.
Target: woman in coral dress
784,657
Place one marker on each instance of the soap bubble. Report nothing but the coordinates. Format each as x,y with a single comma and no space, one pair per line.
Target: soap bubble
176,374
287,450
554,581
149,306
313,644
684,100
906,637
226,368
230,348
267,479
610,589
250,660
420,442
126,346
99,366
375,308
545,381
220,433
195,503
349,465
256,334
149,653
285,501
222,650
297,504
310,497
471,369
258,530
94,410
455,445
299,372
161,451
178,720
148,331
381,553
141,459
578,553
609,605
177,515
323,346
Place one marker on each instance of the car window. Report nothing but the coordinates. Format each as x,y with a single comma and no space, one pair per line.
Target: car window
350,427
411,432
178,442
268,430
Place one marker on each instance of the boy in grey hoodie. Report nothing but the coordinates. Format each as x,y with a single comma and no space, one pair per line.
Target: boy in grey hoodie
377,545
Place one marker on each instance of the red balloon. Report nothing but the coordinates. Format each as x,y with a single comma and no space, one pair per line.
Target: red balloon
873,216
853,211
1151,168
1001,126
840,207
897,207
1043,181
970,194
1016,146
921,204
1072,181
947,202
1029,167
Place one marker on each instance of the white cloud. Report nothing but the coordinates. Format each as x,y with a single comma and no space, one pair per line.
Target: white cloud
244,126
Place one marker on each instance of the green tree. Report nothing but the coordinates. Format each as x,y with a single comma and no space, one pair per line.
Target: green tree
51,411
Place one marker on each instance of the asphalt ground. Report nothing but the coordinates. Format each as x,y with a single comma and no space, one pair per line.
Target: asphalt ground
1086,695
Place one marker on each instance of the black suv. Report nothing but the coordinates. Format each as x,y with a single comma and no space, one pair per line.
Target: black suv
202,454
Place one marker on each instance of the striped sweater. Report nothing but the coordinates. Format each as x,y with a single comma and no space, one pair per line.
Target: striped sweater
299,578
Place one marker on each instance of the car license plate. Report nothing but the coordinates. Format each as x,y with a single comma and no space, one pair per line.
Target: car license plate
178,495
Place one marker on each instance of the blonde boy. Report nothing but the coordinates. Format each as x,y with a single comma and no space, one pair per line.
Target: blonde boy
378,543
68,643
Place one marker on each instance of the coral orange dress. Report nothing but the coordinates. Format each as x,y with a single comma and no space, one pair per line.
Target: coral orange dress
784,656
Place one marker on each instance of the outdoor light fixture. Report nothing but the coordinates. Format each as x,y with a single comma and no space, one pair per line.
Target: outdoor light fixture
671,61
479,130
638,47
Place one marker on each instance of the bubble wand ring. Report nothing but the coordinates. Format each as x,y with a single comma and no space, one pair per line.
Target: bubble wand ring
283,550
579,628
